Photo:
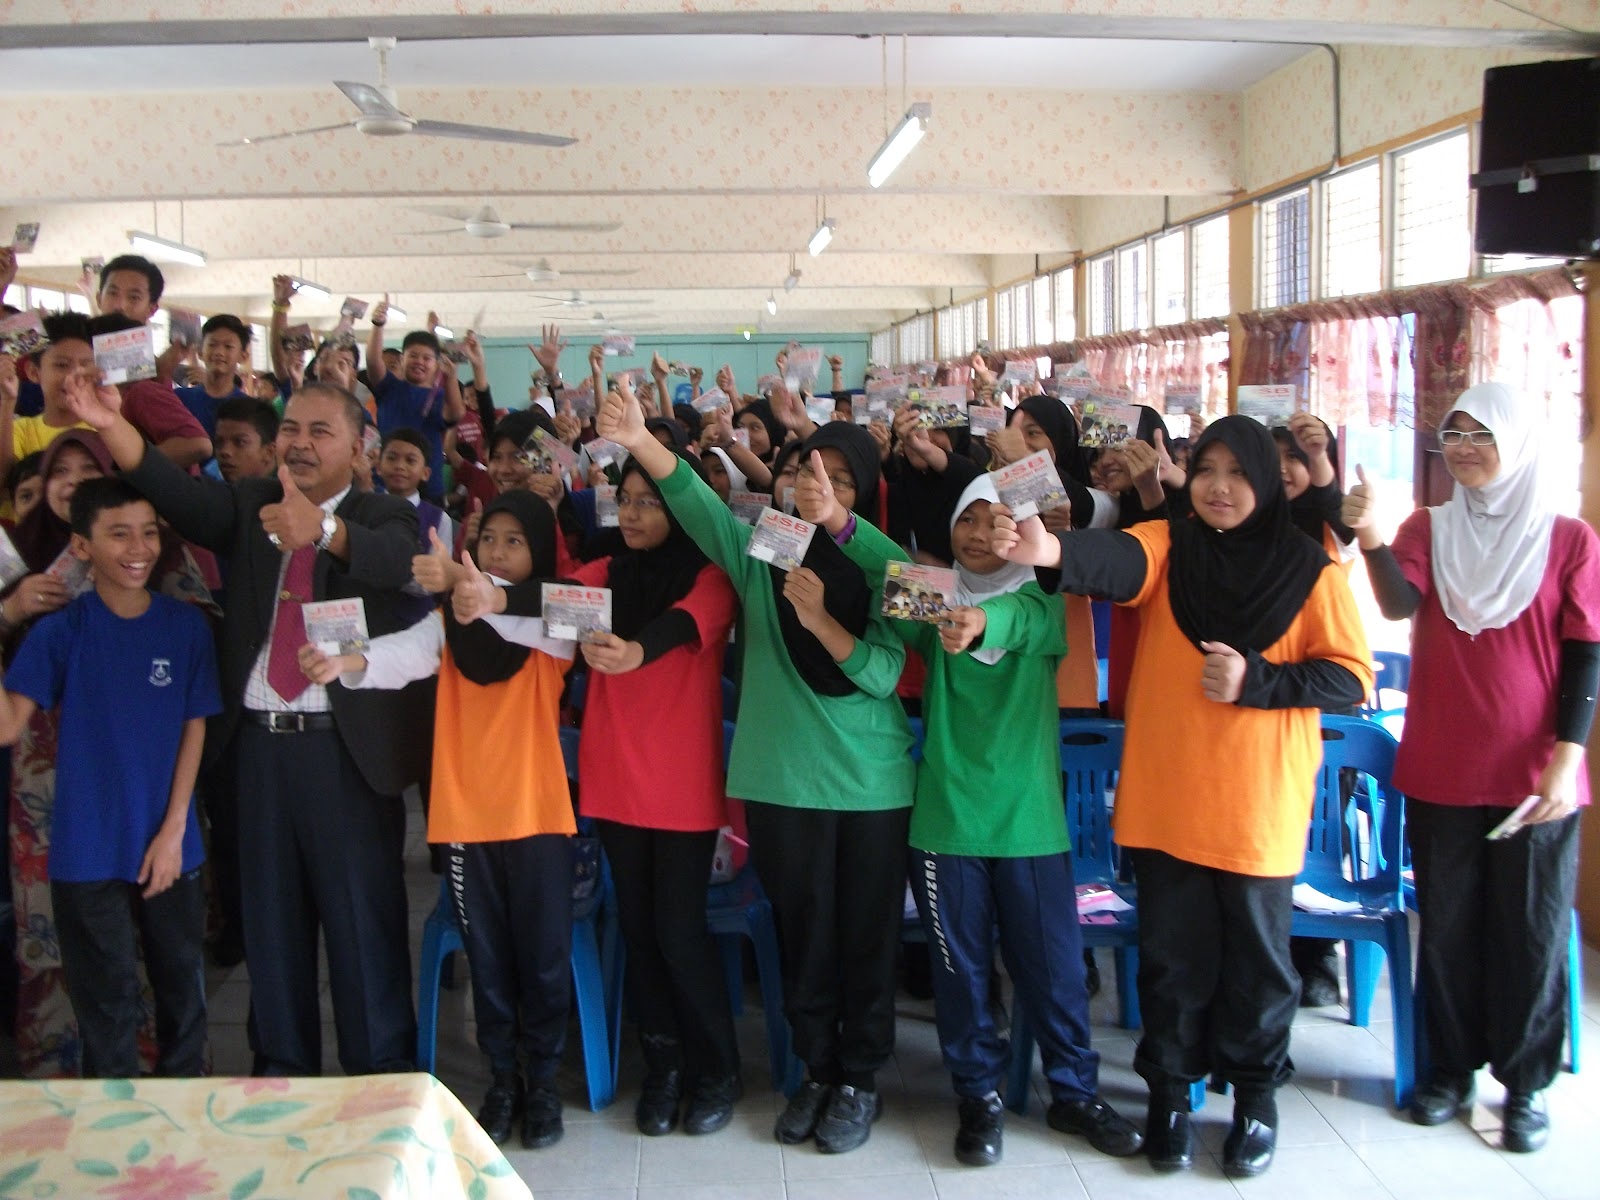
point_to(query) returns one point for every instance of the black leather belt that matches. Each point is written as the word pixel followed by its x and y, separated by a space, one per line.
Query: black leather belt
pixel 290 722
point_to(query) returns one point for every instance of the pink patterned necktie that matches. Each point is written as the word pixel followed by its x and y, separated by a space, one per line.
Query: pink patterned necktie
pixel 289 628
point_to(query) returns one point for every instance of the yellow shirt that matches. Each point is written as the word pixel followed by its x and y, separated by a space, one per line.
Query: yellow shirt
pixel 30 435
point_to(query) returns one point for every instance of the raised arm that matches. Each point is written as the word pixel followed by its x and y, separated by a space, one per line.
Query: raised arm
pixel 1090 562
pixel 1398 598
pixel 282 294
pixel 377 371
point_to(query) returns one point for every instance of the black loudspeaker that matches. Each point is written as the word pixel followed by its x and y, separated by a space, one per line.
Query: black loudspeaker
pixel 1538 177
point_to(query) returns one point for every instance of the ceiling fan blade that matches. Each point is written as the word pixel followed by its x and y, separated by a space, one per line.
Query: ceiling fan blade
pixel 429 232
pixel 573 226
pixel 369 100
pixel 277 137
pixel 611 271
pixel 518 275
pixel 487 133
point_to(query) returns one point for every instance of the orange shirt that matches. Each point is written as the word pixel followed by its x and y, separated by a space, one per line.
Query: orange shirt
pixel 1218 784
pixel 497 768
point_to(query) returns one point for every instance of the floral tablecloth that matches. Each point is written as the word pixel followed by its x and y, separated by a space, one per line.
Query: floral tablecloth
pixel 366 1138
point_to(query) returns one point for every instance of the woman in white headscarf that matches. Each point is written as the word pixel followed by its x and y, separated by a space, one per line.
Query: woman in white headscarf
pixel 1505 595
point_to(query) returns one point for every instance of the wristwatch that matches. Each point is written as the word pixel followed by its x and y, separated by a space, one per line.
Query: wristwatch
pixel 330 526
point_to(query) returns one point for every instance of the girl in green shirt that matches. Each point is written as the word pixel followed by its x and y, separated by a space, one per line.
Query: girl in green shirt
pixel 821 757
pixel 988 837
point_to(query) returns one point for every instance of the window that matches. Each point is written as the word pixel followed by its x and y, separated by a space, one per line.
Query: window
pixel 16 296
pixel 1002 320
pixel 1170 291
pixel 960 327
pixel 1102 296
pixel 1133 287
pixel 1286 249
pixel 47 300
pixel 1021 315
pixel 1044 330
pixel 1208 257
pixel 914 339
pixel 882 349
pixel 1432 236
pixel 1352 248
pixel 1066 305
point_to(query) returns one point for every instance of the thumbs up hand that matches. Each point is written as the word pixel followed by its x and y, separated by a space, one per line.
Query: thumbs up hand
pixel 435 572
pixel 814 499
pixel 1222 678
pixel 295 521
pixel 474 595
pixel 1360 511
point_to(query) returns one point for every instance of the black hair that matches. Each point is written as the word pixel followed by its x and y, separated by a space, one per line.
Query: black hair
pixel 339 344
pixel 64 327
pixel 229 323
pixel 421 337
pixel 135 262
pixel 94 496
pixel 24 469
pixel 250 411
pixel 410 437
pixel 112 322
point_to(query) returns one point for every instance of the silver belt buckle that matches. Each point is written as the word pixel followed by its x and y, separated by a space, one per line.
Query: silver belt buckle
pixel 285 722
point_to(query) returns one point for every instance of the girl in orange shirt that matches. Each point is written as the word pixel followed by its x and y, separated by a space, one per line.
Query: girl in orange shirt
pixel 1247 630
pixel 500 801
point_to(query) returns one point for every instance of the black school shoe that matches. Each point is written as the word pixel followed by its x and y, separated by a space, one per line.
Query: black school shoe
pixel 656 1114
pixel 1168 1139
pixel 847 1121
pixel 1526 1126
pixel 501 1106
pixel 1248 1150
pixel 711 1105
pixel 541 1117
pixel 978 1137
pixel 1442 1098
pixel 798 1121
pixel 1108 1130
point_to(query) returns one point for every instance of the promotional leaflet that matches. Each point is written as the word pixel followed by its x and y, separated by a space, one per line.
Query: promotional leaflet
pixel 72 571
pixel 548 455
pixel 615 345
pixel 297 339
pixel 22 334
pixel 780 539
pixel 939 407
pixel 606 514
pixel 12 568
pixel 709 401
pixel 912 592
pixel 575 613
pixel 183 327
pixel 337 626
pixel 985 419
pixel 126 356
pixel 1030 486
pixel 748 506
pixel 1104 423
pixel 25 237
pixel 801 367
pixel 1270 403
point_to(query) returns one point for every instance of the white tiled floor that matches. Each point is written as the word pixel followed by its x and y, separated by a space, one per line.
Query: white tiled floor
pixel 1340 1138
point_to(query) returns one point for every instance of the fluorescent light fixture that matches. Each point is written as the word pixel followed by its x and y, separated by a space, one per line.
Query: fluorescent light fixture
pixel 396 313
pixel 772 304
pixel 746 333
pixel 899 144
pixel 307 288
pixel 792 282
pixel 824 234
pixel 163 248
pixel 444 333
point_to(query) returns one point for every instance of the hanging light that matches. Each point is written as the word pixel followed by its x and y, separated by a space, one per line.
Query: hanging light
pixel 904 138
pixel 824 234
pixel 772 304
pixel 166 248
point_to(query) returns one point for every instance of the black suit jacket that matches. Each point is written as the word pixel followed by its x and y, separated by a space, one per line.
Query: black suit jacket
pixel 387 733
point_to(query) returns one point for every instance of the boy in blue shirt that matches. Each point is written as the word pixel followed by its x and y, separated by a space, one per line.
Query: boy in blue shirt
pixel 423 395
pixel 135 677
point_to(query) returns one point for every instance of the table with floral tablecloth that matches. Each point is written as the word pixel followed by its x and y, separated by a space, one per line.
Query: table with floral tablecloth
pixel 375 1137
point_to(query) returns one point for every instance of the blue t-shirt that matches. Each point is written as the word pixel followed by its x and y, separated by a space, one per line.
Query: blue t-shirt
pixel 125 687
pixel 203 405
pixel 403 405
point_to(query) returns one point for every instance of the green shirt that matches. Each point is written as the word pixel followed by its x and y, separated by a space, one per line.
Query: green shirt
pixel 990 781
pixel 791 746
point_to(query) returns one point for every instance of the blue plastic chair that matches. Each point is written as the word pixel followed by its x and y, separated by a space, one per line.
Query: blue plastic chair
pixel 1381 926
pixel 1091 754
pixel 740 909
pixel 596 975
pixel 1393 675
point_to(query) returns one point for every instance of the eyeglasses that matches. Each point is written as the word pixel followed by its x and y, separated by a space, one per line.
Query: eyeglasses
pixel 840 483
pixel 642 503
pixel 1454 437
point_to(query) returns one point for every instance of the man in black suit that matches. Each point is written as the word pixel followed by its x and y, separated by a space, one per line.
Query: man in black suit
pixel 321 828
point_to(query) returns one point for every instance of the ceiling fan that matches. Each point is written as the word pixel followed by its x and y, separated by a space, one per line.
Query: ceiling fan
pixel 381 115
pixel 576 300
pixel 543 272
pixel 485 222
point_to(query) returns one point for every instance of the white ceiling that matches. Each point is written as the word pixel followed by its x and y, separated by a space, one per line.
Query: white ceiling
pixel 1068 64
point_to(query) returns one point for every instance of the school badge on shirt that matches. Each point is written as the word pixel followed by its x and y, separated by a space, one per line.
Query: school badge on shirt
pixel 160 671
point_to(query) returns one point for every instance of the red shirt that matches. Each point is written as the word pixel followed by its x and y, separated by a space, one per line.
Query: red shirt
pixel 1481 712
pixel 651 753
pixel 154 409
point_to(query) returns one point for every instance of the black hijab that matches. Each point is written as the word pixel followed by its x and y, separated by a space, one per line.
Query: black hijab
pixel 846 594
pixel 678 434
pixel 481 654
pixel 645 583
pixel 1243 587
pixel 1131 509
pixel 1315 507
pixel 1061 427
pixel 761 410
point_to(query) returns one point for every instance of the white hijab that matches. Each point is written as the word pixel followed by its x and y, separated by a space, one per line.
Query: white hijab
pixel 736 478
pixel 973 588
pixel 1491 544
